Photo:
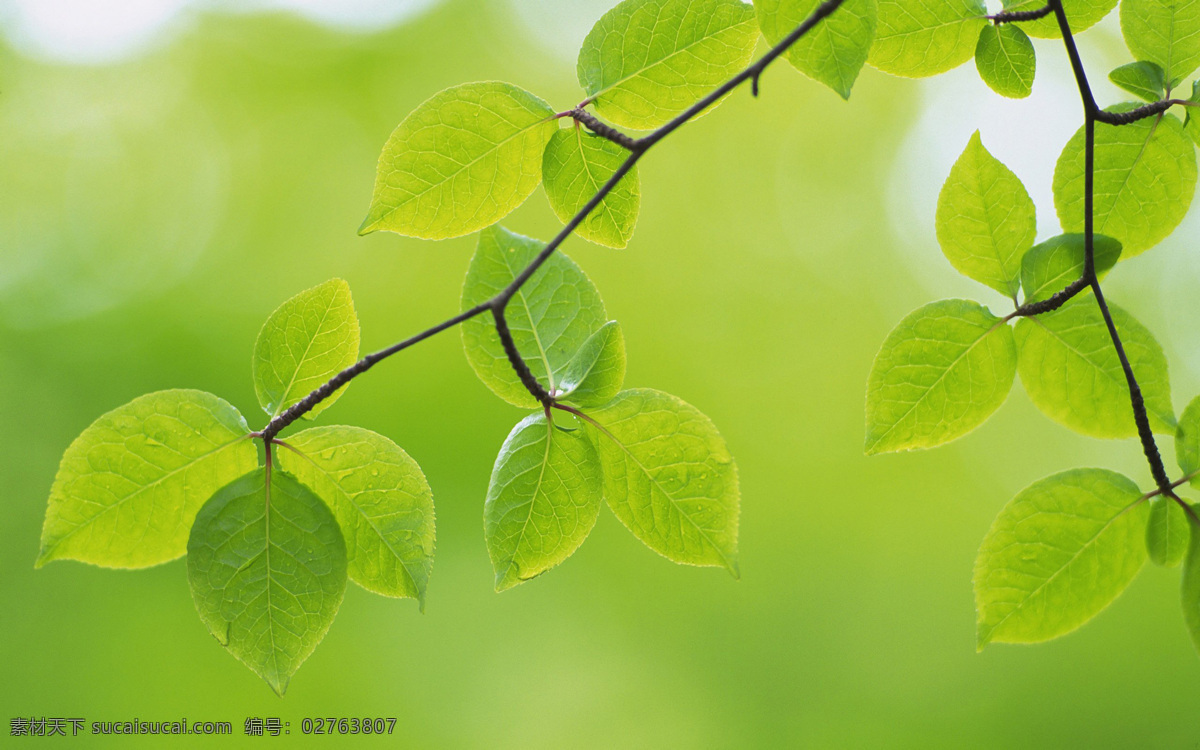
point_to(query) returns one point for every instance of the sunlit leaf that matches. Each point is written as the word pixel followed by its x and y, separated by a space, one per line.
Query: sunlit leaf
pixel 542 501
pixel 304 343
pixel 460 161
pixel 669 477
pixel 128 487
pixel 985 219
pixel 1145 177
pixel 1167 532
pixel 1191 123
pixel 1190 588
pixel 595 374
pixel 917 38
pixel 1050 266
pixel 1072 373
pixel 575 166
pixel 550 318
pixel 1060 552
pixel 835 50
pixel 267 568
pixel 940 373
pixel 1166 32
pixel 646 61
pixel 380 498
pixel 1081 15
pixel 1142 79
pixel 1187 441
pixel 1006 61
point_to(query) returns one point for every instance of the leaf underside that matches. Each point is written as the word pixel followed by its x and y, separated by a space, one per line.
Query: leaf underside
pixel 669 477
pixel 129 486
pixel 267 569
pixel 1060 552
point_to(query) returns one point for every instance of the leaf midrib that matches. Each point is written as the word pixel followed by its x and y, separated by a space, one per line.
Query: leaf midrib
pixel 660 61
pixel 139 490
pixel 533 327
pixel 403 564
pixel 654 482
pixel 934 384
pixel 537 488
pixel 283 397
pixel 1065 565
pixel 461 168
pixel 1111 378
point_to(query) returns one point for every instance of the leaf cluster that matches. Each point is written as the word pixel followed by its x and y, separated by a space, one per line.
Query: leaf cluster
pixel 1068 545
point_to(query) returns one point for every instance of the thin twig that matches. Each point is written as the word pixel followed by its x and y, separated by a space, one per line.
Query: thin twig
pixel 1053 302
pixel 601 128
pixel 497 304
pixel 1091 113
pixel 1140 113
pixel 1009 16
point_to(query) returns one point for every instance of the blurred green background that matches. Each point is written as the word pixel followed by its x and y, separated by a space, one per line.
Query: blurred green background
pixel 154 209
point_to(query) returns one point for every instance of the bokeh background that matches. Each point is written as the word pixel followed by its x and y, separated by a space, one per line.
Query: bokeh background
pixel 170 171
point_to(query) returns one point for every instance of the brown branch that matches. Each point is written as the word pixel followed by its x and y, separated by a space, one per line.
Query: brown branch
pixel 497 304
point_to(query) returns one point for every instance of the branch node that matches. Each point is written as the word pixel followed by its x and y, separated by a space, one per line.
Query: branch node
pixel 1009 16
pixel 603 129
pixel 1133 115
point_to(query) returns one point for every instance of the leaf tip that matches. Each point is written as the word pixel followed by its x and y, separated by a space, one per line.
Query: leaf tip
pixel 874 446
pixel 734 569
pixel 369 224
pixel 278 683
pixel 982 639
pixel 506 578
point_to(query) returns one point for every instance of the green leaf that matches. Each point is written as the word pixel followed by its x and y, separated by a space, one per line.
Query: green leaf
pixel 380 498
pixel 1187 441
pixel 595 374
pixel 1167 532
pixel 305 342
pixel 1145 177
pixel 1005 59
pixel 1060 552
pixel 646 61
pixel 669 477
pixel 1166 32
pixel 1072 373
pixel 1142 79
pixel 940 373
pixel 835 50
pixel 1191 123
pixel 542 501
pixel 460 161
pixel 1050 266
pixel 267 568
pixel 128 487
pixel 918 38
pixel 985 219
pixel 1190 586
pixel 550 317
pixel 575 166
pixel 1081 15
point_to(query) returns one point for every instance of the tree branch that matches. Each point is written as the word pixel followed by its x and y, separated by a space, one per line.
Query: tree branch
pixel 514 357
pixel 601 128
pixel 324 391
pixel 1053 302
pixel 1141 113
pixel 1092 113
pixel 637 147
pixel 1009 16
